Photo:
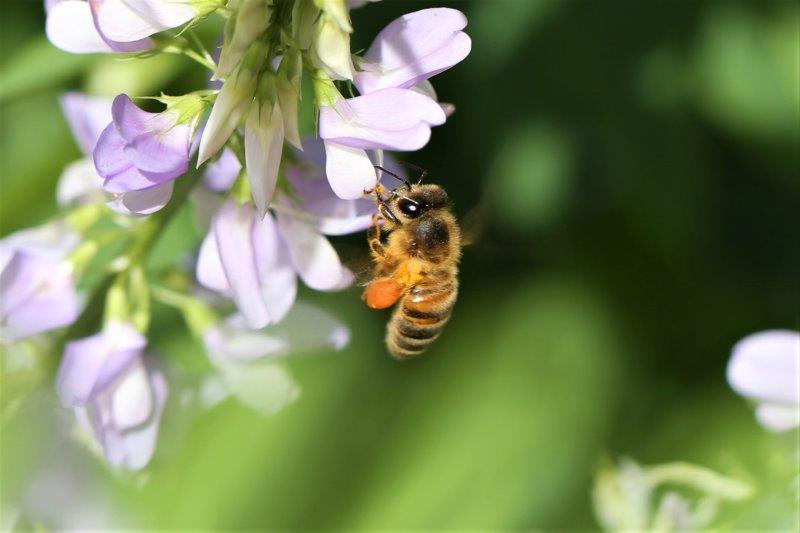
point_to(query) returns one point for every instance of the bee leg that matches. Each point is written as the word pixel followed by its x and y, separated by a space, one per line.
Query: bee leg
pixel 374 239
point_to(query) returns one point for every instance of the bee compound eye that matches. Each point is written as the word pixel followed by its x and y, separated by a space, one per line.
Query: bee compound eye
pixel 409 208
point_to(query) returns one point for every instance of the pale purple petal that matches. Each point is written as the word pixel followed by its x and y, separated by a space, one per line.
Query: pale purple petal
pixel 375 77
pixel 333 215
pixel 414 47
pixel 765 366
pixel 220 175
pixel 210 272
pixel 234 340
pixel 87 117
pixel 778 417
pixel 70 27
pixel 153 142
pixel 314 258
pixel 109 156
pixel 144 201
pixel 79 184
pixel 132 402
pixel 232 229
pixel 349 170
pixel 91 364
pixel 275 269
pixel 37 295
pixel 394 119
pixel 50 241
pixel 117 46
pixel 263 139
pixel 127 21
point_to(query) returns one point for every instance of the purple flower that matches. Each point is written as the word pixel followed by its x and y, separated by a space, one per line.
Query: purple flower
pixel 250 362
pixel 392 119
pixel 413 48
pixel 141 152
pixel 80 26
pixel 331 215
pixel 256 260
pixel 117 395
pixel 765 367
pixel 37 282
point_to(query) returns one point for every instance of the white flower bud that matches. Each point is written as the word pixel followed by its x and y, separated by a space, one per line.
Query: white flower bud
pixel 246 23
pixel 331 49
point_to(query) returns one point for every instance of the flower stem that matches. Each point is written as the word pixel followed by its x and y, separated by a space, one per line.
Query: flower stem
pixel 145 237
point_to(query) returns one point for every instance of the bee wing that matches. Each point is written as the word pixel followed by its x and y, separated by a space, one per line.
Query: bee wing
pixel 357 260
pixel 473 225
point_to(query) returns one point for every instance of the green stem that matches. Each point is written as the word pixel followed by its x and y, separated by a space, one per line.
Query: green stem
pixel 146 236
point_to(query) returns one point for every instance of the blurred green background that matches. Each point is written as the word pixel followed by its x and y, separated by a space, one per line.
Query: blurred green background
pixel 635 172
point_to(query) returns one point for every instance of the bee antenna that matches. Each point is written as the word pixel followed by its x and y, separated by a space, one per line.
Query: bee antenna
pixel 422 172
pixel 392 174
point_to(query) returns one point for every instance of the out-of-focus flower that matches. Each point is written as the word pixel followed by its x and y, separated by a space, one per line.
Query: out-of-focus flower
pixel 765 367
pixel 413 48
pixel 37 281
pixel 624 496
pixel 250 362
pixel 142 152
pixel 117 395
pixel 392 119
pixel 81 26
pixel 220 175
pixel 255 260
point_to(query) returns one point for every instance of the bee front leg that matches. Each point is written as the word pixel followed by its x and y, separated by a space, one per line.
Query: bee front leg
pixel 374 239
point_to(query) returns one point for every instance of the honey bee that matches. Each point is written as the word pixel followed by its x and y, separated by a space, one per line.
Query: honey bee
pixel 416 267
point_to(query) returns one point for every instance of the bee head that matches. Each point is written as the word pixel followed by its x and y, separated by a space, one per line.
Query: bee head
pixel 414 201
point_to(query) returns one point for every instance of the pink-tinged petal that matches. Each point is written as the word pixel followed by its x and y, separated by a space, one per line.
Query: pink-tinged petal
pixel 414 47
pixel 263 140
pixel 87 117
pixel 314 258
pixel 220 175
pixel 375 77
pixel 778 417
pixel 765 366
pixel 232 229
pixel 143 201
pixel 109 156
pixel 79 184
pixel 210 272
pixel 70 27
pixel 91 364
pixel 349 170
pixel 275 269
pixel 126 21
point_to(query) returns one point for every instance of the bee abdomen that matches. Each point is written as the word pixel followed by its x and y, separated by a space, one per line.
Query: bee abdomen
pixel 419 319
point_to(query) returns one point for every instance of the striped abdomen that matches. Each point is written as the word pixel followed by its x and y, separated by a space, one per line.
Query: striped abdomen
pixel 419 318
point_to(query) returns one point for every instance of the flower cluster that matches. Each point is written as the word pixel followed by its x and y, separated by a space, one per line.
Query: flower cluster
pixel 269 210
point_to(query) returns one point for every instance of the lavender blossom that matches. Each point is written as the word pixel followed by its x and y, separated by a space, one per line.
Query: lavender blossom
pixel 141 152
pixel 80 26
pixel 413 48
pixel 117 395
pixel 37 281
pixel 392 119
pixel 765 367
